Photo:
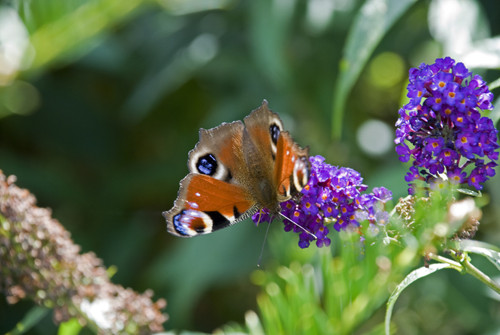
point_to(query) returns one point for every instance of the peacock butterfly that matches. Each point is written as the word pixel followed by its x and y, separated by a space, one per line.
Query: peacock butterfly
pixel 235 170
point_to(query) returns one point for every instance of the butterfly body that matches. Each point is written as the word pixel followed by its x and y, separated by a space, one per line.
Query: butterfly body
pixel 236 169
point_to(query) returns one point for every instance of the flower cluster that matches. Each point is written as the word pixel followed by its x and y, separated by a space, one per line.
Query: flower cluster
pixel 442 129
pixel 39 261
pixel 332 195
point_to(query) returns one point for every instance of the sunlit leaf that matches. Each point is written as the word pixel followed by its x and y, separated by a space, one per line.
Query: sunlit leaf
pixel 14 39
pixel 375 18
pixel 491 252
pixel 68 33
pixel 457 24
pixel 253 323
pixel 70 327
pixel 495 114
pixel 413 276
pixel 483 54
pixel 470 192
pixel 494 84
pixel 191 6
pixel 111 271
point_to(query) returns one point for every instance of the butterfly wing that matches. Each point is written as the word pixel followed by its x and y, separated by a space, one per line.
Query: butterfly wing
pixel 286 162
pixel 263 127
pixel 212 196
pixel 291 169
pixel 206 204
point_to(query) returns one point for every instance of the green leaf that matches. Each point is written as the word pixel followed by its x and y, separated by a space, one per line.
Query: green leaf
pixel 253 323
pixel 491 252
pixel 332 294
pixel 69 30
pixel 375 18
pixel 192 6
pixel 472 193
pixel 495 114
pixel 31 318
pixel 70 327
pixel 413 276
pixel 111 271
pixel 494 84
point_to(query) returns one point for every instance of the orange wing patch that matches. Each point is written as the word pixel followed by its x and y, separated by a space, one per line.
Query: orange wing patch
pixel 284 164
pixel 212 195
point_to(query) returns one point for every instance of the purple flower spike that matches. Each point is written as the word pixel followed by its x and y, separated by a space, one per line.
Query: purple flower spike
pixel 443 125
pixel 333 197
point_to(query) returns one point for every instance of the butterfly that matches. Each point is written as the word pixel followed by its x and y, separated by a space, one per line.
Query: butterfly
pixel 235 170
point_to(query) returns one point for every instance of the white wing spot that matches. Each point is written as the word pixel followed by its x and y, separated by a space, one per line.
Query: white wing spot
pixel 192 205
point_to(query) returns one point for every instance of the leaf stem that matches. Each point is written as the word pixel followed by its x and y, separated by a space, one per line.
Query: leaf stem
pixel 471 269
pixel 464 265
pixel 454 265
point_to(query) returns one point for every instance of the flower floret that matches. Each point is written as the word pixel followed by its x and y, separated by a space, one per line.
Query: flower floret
pixel 333 197
pixel 443 126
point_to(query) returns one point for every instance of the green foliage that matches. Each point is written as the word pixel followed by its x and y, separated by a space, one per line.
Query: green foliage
pixel 64 29
pixel 333 294
pixel 491 252
pixel 31 318
pixel 370 25
pixel 414 275
pixel 70 327
pixel 342 294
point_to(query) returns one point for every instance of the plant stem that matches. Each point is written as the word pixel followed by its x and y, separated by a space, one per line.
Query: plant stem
pixel 464 265
pixel 455 265
pixel 471 269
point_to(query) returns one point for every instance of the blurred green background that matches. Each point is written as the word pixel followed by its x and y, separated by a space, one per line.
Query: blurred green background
pixel 101 100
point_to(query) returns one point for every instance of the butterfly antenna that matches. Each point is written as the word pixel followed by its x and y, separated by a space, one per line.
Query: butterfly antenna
pixel 264 244
pixel 295 223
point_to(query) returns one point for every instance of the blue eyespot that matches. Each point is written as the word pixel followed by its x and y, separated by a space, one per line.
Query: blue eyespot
pixel 207 164
pixel 179 226
pixel 274 130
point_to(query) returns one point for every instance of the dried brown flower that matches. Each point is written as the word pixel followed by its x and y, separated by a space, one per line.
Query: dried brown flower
pixel 39 261
pixel 465 213
pixel 406 210
pixel 463 216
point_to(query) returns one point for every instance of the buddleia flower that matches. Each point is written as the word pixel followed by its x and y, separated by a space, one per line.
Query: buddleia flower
pixel 333 200
pixel 442 129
